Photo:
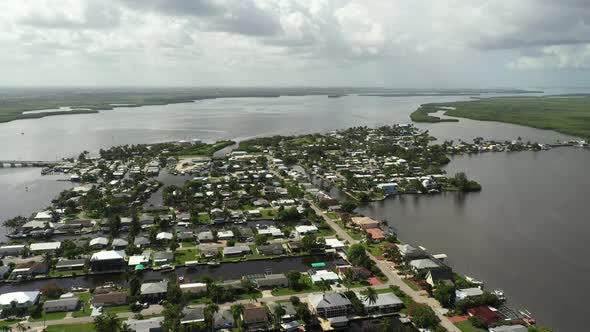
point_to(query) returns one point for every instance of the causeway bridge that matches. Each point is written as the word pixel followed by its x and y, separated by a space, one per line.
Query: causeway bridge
pixel 29 163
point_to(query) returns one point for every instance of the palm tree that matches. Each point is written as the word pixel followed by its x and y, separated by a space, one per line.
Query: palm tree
pixel 324 285
pixel 106 322
pixel 21 327
pixel 211 309
pixel 278 312
pixel 5 328
pixel 48 258
pixel 370 295
pixel 237 310
pixel 126 328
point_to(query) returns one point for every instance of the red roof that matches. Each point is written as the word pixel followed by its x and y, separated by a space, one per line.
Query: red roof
pixel 376 233
pixel 485 313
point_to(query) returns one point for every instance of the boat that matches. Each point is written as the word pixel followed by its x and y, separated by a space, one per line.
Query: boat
pixel 167 268
pixel 500 294
pixel 527 316
pixel 474 281
pixel 213 263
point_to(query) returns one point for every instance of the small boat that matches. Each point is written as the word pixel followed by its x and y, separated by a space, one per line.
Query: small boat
pixel 527 316
pixel 500 294
pixel 213 263
pixel 474 281
pixel 167 268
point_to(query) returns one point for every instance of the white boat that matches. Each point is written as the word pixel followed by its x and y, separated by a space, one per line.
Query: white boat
pixel 500 294
pixel 213 263
pixel 474 281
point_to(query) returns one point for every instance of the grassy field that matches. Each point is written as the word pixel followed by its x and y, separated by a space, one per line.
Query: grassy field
pixel 568 115
pixel 49 316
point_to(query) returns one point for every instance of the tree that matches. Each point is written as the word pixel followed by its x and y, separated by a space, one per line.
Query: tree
pixel 294 279
pixel 172 316
pixel 370 295
pixel 237 310
pixel 52 290
pixel 107 322
pixel 422 315
pixel 261 239
pixel 324 285
pixel 210 311
pixel 348 206
pixel 357 254
pixel 278 312
pixel 445 294
pixel 5 328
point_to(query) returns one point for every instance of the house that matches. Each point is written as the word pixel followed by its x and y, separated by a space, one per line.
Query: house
pixel 255 318
pixel 109 299
pixel 419 265
pixel 246 234
pixel 204 237
pixel 164 236
pixel 223 320
pixel 290 311
pixel 153 324
pixel 386 303
pixel 99 243
pixel 209 252
pixel 19 299
pixel 236 251
pixel 12 250
pixel 410 253
pixel 163 257
pixel 330 305
pixel 295 246
pixel 509 328
pixel 141 242
pixel 70 264
pixel 30 269
pixel 484 313
pixel 365 222
pixel 154 291
pixel 254 213
pixel 357 272
pixel 44 246
pixel 441 275
pixel 462 294
pixel 388 188
pixel 143 259
pixel 119 244
pixel 193 315
pixel 225 235
pixel 376 234
pixel 194 288
pixel 272 280
pixel 271 249
pixel 107 261
pixel 334 243
pixel 319 275
pixel 62 304
pixel 306 229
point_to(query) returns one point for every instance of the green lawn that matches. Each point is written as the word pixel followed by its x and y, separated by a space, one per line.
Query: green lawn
pixel 54 273
pixel 411 284
pixel 332 215
pixel 117 309
pixel 8 322
pixel 306 280
pixel 355 235
pixel 465 326
pixel 85 327
pixel 204 218
pixel 49 316
pixel 182 256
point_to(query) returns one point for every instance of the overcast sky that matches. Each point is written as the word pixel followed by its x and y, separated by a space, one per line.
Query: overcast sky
pixel 397 43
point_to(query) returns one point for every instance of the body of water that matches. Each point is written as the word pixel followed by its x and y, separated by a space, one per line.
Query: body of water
pixel 524 232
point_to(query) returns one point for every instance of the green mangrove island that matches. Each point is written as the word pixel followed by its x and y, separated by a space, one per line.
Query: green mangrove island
pixel 568 114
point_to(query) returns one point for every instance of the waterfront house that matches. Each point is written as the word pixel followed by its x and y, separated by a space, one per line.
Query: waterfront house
pixel 19 300
pixel 255 318
pixel 410 253
pixel 30 269
pixel 12 250
pixel 376 235
pixel 509 328
pixel 462 294
pixel 223 320
pixel 484 313
pixel 107 261
pixel 154 291
pixel 272 280
pixel 254 213
pixel 44 247
pixel 271 249
pixel 295 246
pixel 209 252
pixel 109 299
pixel 441 275
pixel 62 304
pixel 365 222
pixel 163 257
pixel 70 264
pixel 194 288
pixel 306 229
pixel 388 188
pixel 164 236
pixel 236 285
pixel 419 265
pixel 99 243
pixel 386 303
pixel 143 259
pixel 334 243
pixel 330 305
pixel 236 251
pixel 357 272
pixel 193 315
pixel 153 324
pixel 319 275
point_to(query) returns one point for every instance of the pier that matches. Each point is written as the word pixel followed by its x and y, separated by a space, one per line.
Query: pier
pixel 29 163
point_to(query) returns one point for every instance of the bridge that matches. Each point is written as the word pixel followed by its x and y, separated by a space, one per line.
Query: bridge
pixel 29 163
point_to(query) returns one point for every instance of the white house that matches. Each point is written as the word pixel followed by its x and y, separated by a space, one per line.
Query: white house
pixel 19 299
pixel 462 294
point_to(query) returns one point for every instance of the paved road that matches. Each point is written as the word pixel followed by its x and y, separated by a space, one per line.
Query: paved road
pixel 394 278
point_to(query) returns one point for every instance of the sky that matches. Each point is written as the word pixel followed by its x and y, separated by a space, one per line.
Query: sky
pixel 390 43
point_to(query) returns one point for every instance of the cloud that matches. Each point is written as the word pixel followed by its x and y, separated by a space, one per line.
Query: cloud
pixel 555 57
pixel 93 14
